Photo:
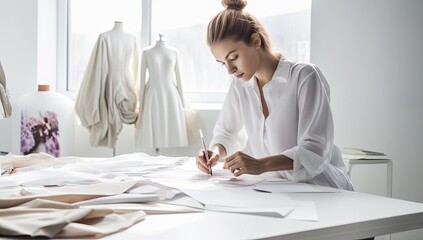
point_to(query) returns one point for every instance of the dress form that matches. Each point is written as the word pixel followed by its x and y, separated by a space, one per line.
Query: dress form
pixel 118 26
pixel 161 121
pixel 107 97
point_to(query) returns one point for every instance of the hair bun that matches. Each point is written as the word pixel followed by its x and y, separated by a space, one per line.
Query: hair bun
pixel 234 4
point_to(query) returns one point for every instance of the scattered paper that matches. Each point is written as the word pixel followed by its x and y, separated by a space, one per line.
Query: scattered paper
pixel 238 181
pixel 235 197
pixel 304 211
pixel 290 187
pixel 120 198
pixel 49 177
pixel 270 212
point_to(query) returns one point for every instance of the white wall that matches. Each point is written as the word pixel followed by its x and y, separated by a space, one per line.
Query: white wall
pixel 371 53
pixel 47 43
pixel 18 55
pixel 28 56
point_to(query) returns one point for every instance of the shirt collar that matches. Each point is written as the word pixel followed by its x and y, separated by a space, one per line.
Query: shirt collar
pixel 280 76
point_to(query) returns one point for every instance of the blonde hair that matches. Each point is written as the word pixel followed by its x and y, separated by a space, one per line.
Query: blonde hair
pixel 236 24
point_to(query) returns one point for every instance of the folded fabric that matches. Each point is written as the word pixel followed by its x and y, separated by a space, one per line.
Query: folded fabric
pixel 45 218
pixel 71 194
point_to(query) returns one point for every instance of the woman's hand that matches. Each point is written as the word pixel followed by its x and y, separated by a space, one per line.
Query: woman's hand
pixel 201 162
pixel 240 163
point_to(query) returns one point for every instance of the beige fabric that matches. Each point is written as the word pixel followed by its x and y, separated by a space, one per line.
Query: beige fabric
pixel 5 105
pixel 70 194
pixel 44 218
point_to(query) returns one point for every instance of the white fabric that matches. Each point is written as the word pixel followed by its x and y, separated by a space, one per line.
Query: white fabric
pixel 299 124
pixel 107 96
pixel 161 123
pixel 5 105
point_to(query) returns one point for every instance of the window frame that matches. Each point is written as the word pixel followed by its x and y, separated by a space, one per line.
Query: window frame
pixel 63 15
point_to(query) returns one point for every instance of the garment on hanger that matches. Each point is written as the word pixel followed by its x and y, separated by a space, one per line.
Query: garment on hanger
pixel 161 121
pixel 5 105
pixel 107 96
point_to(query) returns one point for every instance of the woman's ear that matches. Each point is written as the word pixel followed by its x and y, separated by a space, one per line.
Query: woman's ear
pixel 256 40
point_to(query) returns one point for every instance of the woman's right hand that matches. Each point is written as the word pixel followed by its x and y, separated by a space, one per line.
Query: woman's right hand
pixel 201 162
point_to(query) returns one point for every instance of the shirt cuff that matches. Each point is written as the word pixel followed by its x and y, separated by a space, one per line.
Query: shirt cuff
pixel 229 146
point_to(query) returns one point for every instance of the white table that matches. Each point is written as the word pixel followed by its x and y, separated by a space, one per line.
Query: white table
pixel 344 215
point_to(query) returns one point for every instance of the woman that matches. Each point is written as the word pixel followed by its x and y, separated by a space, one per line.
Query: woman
pixel 282 106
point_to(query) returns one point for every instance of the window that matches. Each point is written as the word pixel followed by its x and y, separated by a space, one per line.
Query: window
pixel 204 80
pixel 87 19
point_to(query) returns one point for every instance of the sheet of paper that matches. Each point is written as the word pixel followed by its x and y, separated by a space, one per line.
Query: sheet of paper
pixel 304 211
pixel 120 198
pixel 50 177
pixel 154 188
pixel 364 157
pixel 106 188
pixel 271 212
pixel 5 183
pixel 238 181
pixel 149 208
pixel 290 187
pixel 210 194
pixel 130 164
pixel 221 177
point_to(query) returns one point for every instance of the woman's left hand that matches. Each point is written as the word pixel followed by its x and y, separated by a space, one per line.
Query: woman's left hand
pixel 240 163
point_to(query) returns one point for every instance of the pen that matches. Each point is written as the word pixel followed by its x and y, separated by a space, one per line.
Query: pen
pixel 205 151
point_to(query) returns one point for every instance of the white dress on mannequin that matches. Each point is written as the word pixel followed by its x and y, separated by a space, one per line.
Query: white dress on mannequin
pixel 107 96
pixel 161 123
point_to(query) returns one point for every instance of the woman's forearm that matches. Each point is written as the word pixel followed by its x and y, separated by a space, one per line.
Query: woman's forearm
pixel 277 163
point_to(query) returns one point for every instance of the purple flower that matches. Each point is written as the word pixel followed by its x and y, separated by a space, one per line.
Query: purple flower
pixel 27 139
pixel 43 130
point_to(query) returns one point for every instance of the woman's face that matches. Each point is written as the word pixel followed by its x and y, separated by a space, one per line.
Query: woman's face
pixel 240 59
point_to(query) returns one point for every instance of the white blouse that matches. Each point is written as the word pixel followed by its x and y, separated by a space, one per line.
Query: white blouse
pixel 299 125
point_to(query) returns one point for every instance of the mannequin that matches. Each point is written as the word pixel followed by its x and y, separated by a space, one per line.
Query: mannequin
pixel 161 121
pixel 5 105
pixel 107 97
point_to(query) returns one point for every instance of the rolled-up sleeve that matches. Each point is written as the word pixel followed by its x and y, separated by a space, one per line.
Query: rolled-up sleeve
pixel 315 128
